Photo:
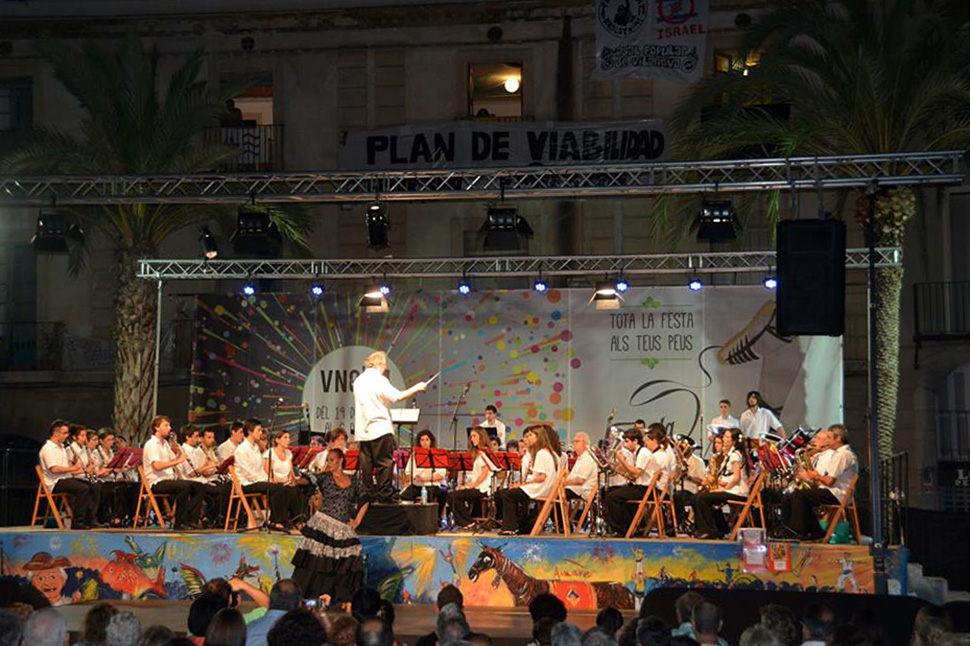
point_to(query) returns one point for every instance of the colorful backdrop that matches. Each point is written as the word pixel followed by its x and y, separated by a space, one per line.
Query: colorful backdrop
pixel 667 355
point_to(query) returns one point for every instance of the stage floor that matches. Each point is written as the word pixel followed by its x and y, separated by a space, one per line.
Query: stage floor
pixel 71 567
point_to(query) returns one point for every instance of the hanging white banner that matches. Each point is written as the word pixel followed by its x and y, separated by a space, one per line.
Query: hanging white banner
pixel 652 39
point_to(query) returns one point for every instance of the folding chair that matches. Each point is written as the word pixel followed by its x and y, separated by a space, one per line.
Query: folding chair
pixel 651 495
pixel 150 501
pixel 555 501
pixel 837 513
pixel 58 504
pixel 253 503
pixel 753 500
pixel 587 508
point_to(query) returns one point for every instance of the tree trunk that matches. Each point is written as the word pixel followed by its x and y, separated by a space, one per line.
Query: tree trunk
pixel 135 370
pixel 894 207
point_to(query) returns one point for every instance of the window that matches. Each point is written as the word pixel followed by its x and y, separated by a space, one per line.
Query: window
pixel 16 105
pixel 255 101
pixel 495 91
pixel 249 124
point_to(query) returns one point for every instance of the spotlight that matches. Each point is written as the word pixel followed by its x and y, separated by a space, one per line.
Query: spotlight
pixel 384 289
pixel 716 222
pixel 52 231
pixel 249 289
pixel 374 300
pixel 540 285
pixel 505 230
pixel 316 290
pixel 511 84
pixel 210 250
pixel 695 284
pixel 606 289
pixel 464 287
pixel 770 282
pixel 256 234
pixel 377 226
pixel 622 285
pixel 606 296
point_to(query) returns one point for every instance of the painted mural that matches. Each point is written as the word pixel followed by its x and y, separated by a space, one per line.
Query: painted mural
pixel 587 574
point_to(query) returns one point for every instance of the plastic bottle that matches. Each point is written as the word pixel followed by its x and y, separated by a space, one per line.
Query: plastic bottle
pixel 424 495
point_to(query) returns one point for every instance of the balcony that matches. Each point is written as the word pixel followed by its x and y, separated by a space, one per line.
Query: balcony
pixel 31 346
pixel 260 147
pixel 941 312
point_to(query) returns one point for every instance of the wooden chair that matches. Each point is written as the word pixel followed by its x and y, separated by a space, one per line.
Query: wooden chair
pixel 554 502
pixel 58 504
pixel 752 501
pixel 653 497
pixel 253 503
pixel 149 500
pixel 837 513
pixel 586 510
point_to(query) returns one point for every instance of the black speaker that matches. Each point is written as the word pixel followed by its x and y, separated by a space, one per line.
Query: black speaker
pixel 811 277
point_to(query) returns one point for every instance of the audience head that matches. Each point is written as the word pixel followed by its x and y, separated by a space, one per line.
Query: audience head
pixel 759 635
pixel 954 639
pixel 156 635
pixel 451 625
pixel 652 631
pixel 96 621
pixel 547 605
pixel 818 622
pixel 220 587
pixel 566 634
pixel 706 619
pixel 297 627
pixel 869 626
pixel 609 620
pixel 931 622
pixel 343 631
pixel 285 595
pixel 46 627
pixel 628 634
pixel 782 622
pixel 203 610
pixel 123 629
pixel 450 594
pixel 542 631
pixel 366 603
pixel 599 637
pixel 374 631
pixel 11 628
pixel 682 640
pixel 479 639
pixel 226 629
pixel 684 606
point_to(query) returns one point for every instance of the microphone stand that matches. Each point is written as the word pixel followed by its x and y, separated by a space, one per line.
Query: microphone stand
pixel 454 416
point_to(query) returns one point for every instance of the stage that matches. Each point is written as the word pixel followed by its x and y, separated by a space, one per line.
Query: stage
pixel 83 566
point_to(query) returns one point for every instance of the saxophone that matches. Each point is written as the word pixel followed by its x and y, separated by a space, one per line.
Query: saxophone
pixel 714 464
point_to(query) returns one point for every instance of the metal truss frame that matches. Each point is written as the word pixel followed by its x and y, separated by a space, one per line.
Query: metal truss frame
pixel 370 268
pixel 533 182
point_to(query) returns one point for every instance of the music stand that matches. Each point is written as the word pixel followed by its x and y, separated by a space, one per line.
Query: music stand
pixel 434 458
pixel 404 417
pixel 121 459
pixel 303 456
pixel 224 467
pixel 350 460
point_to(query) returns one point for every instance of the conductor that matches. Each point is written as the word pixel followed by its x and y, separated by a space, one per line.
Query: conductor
pixel 373 396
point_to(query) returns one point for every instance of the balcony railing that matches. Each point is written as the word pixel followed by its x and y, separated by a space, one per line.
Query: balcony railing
pixel 260 147
pixel 941 312
pixel 31 346
pixel 953 435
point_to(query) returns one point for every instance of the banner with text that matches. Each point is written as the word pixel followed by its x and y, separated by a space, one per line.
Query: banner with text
pixel 516 143
pixel 667 355
pixel 653 39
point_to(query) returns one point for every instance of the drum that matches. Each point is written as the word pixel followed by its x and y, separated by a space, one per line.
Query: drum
pixel 798 440
pixel 772 438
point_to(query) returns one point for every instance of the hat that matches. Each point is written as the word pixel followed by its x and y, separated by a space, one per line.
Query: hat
pixel 44 561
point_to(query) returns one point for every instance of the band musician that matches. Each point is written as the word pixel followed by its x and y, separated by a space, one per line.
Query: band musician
pixel 477 484
pixel 581 481
pixel 512 504
pixel 650 459
pixel 199 467
pixel 828 483
pixel 692 471
pixel 415 478
pixel 284 502
pixel 729 483
pixel 159 462
pixel 61 475
pixel 758 420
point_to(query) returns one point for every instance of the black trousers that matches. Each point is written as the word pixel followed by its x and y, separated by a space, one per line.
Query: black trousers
pixel 435 494
pixel 798 511
pixel 116 499
pixel 377 455
pixel 461 501
pixel 683 498
pixel 83 497
pixel 708 519
pixel 514 505
pixel 216 499
pixel 284 502
pixel 188 496
pixel 619 513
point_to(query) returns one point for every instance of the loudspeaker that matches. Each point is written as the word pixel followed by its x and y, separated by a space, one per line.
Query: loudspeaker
pixel 811 277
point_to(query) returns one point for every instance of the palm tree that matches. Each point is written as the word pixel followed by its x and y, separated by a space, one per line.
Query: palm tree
pixel 860 76
pixel 131 129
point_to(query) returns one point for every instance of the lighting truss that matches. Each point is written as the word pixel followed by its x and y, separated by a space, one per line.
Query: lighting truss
pixel 627 265
pixel 797 173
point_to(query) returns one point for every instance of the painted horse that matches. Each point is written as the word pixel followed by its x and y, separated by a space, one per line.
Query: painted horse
pixel 524 588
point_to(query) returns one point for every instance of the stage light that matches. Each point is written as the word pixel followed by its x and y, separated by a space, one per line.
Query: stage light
pixel 256 234
pixel 210 249
pixel 606 296
pixel 464 287
pixel 374 300
pixel 249 289
pixel 377 226
pixel 622 285
pixel 316 290
pixel 512 84
pixel 695 284
pixel 540 285
pixel 384 289
pixel 716 222
pixel 51 234
pixel 505 230
pixel 770 282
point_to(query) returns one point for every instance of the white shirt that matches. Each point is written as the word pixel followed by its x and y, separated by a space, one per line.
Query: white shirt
pixel 282 468
pixel 53 455
pixel 762 420
pixel 586 469
pixel 478 467
pixel 695 469
pixel 421 476
pixel 727 472
pixel 157 450
pixel 499 427
pixel 225 449
pixel 373 396
pixel 545 463
pixel 189 469
pixel 524 465
pixel 840 463
pixel 658 460
pixel 724 422
pixel 249 464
